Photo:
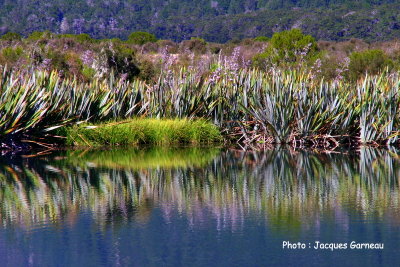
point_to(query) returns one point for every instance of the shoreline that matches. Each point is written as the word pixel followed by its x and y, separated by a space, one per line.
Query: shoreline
pixel 36 149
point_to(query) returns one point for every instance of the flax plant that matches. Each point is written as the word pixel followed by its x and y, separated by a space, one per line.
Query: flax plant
pixel 248 105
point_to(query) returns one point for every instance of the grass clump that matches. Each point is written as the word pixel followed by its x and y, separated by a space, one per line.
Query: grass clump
pixel 144 131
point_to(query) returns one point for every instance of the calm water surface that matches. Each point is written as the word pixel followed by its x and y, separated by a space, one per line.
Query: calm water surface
pixel 198 207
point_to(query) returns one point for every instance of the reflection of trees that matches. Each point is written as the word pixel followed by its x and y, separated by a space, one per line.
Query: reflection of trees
pixel 291 189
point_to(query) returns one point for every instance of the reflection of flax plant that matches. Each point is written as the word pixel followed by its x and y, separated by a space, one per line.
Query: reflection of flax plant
pixel 288 188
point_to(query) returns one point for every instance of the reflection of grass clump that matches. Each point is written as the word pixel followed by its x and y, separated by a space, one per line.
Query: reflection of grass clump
pixel 144 131
pixel 131 158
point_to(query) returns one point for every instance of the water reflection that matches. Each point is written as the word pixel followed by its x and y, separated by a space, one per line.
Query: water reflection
pixel 291 191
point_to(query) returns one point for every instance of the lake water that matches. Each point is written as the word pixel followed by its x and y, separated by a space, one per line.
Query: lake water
pixel 199 207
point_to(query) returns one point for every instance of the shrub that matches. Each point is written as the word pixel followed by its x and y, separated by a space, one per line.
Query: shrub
pixel 84 38
pixel 288 48
pixel 141 38
pixel 11 55
pixel 168 45
pixel 80 38
pixel 150 48
pixel 148 71
pixel 88 73
pixel 120 59
pixel 195 45
pixel 368 61
pixel 75 64
pixel 11 36
pixel 36 35
pixel 58 60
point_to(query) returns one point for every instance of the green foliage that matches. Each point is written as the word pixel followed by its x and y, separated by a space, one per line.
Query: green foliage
pixel 261 39
pixel 11 55
pixel 214 67
pixel 288 48
pixel 58 59
pixel 141 38
pixel 368 61
pixel 11 36
pixel 198 39
pixel 88 73
pixel 114 40
pixel 80 38
pixel 37 35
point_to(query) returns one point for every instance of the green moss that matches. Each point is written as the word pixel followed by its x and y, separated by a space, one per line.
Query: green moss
pixel 144 131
